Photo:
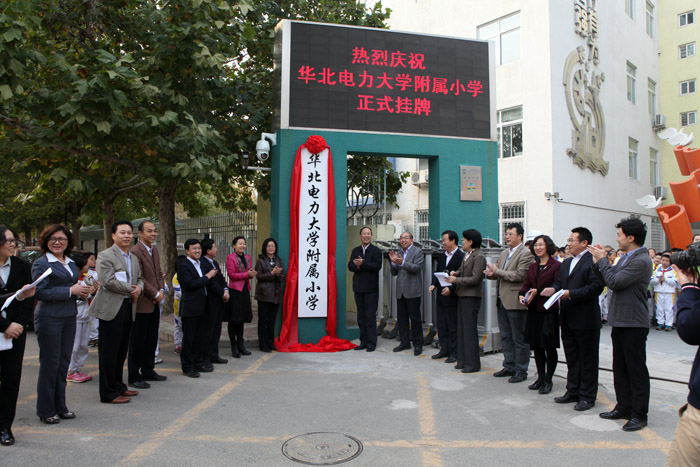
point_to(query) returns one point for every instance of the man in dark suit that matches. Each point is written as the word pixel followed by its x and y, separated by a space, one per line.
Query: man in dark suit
pixel 193 304
pixel 365 262
pixel 217 295
pixel 408 269
pixel 144 332
pixel 446 311
pixel 511 271
pixel 629 318
pixel 580 321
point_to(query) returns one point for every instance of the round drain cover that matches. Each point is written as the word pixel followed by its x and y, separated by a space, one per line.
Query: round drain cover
pixel 322 448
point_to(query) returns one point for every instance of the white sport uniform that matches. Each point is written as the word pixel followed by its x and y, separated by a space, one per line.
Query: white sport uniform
pixel 665 295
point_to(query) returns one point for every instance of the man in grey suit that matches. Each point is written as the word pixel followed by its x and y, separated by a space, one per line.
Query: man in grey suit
pixel 511 271
pixel 115 305
pixel 408 269
pixel 628 316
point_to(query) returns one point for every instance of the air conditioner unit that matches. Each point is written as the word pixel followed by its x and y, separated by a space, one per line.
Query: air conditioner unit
pixel 660 192
pixel 659 121
pixel 419 177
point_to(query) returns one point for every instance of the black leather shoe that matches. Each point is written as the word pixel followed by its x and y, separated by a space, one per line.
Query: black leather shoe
pixel 519 377
pixel 634 424
pixel 470 370
pixel 50 420
pixel 139 384
pixel 361 347
pixel 67 415
pixel 536 385
pixel 459 366
pixel 417 351
pixel 218 359
pixel 546 388
pixel 503 372
pixel 615 414
pixel 6 438
pixel 401 347
pixel 566 398
pixel 371 348
pixel 439 355
pixel 191 374
pixel 262 349
pixel 584 405
pixel 234 350
pixel 242 349
pixel 155 377
pixel 450 360
pixel 204 369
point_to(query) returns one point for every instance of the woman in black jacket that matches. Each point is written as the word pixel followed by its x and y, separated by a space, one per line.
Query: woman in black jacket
pixel 269 292
pixel 14 274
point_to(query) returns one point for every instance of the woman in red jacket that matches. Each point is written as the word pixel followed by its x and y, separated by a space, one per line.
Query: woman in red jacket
pixel 239 268
pixel 542 326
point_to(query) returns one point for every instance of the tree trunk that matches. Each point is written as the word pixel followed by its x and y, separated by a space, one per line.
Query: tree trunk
pixel 75 225
pixel 168 236
pixel 108 220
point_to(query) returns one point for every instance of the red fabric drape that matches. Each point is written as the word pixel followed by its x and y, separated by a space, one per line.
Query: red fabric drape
pixel 288 341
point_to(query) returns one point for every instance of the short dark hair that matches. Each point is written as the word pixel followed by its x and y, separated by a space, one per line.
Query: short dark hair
pixel 363 228
pixel 191 241
pixel 52 229
pixel 634 227
pixel 144 223
pixel 121 222
pixel 178 260
pixel 474 236
pixel 518 228
pixel 268 240
pixel 583 234
pixel 3 231
pixel 561 249
pixel 548 243
pixel 666 256
pixel 239 237
pixel 88 255
pixel 207 244
pixel 79 260
pixel 451 234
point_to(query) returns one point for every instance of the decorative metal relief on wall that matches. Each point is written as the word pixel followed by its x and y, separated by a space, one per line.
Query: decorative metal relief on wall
pixel 582 88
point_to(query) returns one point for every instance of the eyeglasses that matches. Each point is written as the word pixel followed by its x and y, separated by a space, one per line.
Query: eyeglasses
pixel 58 240
pixel 11 241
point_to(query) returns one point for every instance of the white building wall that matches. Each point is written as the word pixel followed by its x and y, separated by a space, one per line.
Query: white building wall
pixel 535 82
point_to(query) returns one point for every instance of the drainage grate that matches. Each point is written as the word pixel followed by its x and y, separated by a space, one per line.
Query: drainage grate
pixel 322 448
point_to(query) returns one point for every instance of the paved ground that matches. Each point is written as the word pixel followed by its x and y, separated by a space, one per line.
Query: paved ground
pixel 405 410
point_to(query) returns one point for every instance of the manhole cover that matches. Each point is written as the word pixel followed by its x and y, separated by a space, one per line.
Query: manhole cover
pixel 322 448
pixel 687 362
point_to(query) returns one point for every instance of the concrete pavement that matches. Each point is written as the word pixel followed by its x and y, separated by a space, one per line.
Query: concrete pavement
pixel 404 410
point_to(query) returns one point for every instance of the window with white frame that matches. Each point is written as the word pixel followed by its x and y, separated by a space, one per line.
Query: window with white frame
pixel 421 221
pixel 632 155
pixel 686 18
pixel 650 19
pixel 688 87
pixel 629 8
pixel 510 132
pixel 422 164
pixel 689 118
pixel 653 167
pixel 631 83
pixel 505 33
pixel 686 50
pixel 651 96
pixel 509 213
pixel 658 240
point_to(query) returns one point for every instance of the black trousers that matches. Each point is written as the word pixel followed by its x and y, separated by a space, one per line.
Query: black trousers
pixel 447 328
pixel 10 375
pixel 367 317
pixel 55 337
pixel 267 315
pixel 142 345
pixel 409 309
pixel 630 373
pixel 207 328
pixel 468 353
pixel 195 338
pixel 215 331
pixel 113 345
pixel 581 347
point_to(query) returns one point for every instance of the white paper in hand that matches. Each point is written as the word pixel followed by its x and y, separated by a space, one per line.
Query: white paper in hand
pixel 441 276
pixel 553 299
pixel 121 276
